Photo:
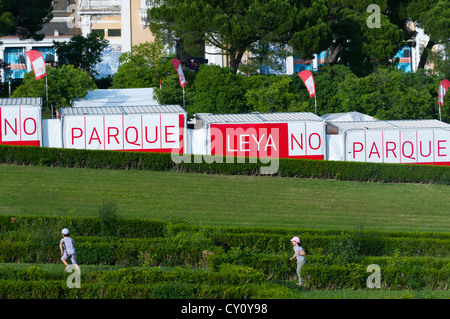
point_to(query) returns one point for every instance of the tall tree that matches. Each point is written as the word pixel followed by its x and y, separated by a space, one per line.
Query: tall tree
pixel 65 84
pixel 232 26
pixel 143 66
pixel 81 52
pixel 434 17
pixel 24 18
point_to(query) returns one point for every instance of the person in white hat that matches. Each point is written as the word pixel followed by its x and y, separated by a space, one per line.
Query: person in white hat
pixel 299 253
pixel 69 249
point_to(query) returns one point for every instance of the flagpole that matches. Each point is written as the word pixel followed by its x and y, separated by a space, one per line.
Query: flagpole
pixel 183 99
pixel 46 92
pixel 315 103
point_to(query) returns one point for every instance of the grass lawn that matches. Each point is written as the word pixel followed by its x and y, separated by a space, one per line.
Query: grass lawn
pixel 225 200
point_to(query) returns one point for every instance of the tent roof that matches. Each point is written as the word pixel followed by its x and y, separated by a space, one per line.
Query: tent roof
pixel 19 101
pixel 395 124
pixel 347 116
pixel 117 97
pixel 208 118
pixel 122 110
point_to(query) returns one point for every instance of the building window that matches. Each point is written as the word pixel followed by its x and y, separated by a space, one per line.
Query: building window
pixel 114 33
pixel 99 32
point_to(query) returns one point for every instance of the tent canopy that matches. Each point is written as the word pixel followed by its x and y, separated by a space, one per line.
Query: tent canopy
pixel 117 97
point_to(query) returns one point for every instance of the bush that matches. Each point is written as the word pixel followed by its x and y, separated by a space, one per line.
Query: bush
pixel 353 171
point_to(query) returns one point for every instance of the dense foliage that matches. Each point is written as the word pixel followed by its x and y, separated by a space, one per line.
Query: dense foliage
pixel 211 262
pixel 65 84
pixel 387 93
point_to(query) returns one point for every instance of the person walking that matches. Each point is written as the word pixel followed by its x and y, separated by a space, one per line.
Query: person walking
pixel 66 245
pixel 299 254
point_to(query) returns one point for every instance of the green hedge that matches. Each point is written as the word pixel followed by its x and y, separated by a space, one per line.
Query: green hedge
pixel 230 281
pixel 354 171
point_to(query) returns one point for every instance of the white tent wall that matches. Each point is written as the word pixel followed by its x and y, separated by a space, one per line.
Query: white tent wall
pixel 196 141
pixel 335 149
pixel 52 133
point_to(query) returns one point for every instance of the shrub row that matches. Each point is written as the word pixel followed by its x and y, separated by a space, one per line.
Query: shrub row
pixel 37 238
pixel 230 281
pixel 82 226
pixel 354 171
pixel 367 244
pixel 165 290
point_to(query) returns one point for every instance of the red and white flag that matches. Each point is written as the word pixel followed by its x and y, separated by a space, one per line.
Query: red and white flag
pixel 38 63
pixel 443 88
pixel 177 65
pixel 308 79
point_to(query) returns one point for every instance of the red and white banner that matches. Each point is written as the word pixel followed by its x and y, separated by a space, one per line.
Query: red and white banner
pixel 136 132
pixel 280 140
pixel 20 125
pixel 427 146
pixel 308 79
pixel 443 88
pixel 179 68
pixel 38 63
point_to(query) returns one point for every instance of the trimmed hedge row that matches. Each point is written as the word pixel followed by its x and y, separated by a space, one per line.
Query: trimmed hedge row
pixel 36 239
pixel 369 244
pixel 229 281
pixel 353 171
pixel 82 226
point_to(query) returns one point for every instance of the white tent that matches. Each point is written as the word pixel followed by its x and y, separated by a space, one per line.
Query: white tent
pixel 347 116
pixel 117 97
pixel 396 141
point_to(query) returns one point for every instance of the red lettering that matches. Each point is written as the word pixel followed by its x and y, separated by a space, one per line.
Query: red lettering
pixel 390 149
pixel 25 127
pixel 309 140
pixel 412 150
pixel 76 136
pixel 113 135
pixel 299 144
pixel 374 146
pixel 429 149
pixel 94 138
pixel 167 133
pixel 156 135
pixel 136 134
pixel 355 150
pixel 441 147
pixel 12 129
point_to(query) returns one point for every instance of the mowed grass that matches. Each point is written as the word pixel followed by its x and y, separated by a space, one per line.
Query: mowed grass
pixel 225 200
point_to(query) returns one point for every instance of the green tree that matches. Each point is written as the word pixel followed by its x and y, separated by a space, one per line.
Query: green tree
pixel 81 52
pixel 358 44
pixel 434 17
pixel 217 90
pixel 24 18
pixel 143 66
pixel 233 26
pixel 389 94
pixel 275 97
pixel 65 84
pixel 327 81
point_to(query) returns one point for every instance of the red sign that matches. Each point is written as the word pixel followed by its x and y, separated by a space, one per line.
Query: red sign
pixel 20 126
pixel 281 140
pixel 38 63
pixel 177 65
pixel 308 79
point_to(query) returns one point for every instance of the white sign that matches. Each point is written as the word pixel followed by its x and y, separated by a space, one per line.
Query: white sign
pixel 20 125
pixel 424 146
pixel 146 132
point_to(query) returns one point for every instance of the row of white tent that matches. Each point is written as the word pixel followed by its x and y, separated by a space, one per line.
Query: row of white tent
pixel 122 120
